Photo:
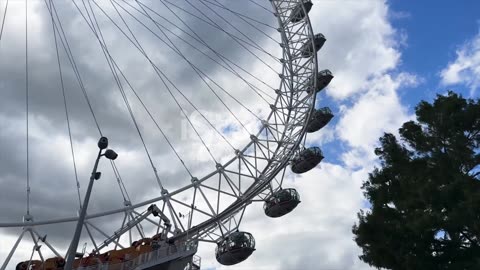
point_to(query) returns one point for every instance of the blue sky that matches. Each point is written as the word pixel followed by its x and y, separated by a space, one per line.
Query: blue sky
pixel 435 30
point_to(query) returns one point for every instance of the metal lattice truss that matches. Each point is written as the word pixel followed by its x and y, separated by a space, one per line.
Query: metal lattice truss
pixel 215 204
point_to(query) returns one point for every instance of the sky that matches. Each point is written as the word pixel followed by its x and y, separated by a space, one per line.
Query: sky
pixel 386 57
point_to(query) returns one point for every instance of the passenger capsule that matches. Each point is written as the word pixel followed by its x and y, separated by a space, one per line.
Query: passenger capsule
pixel 235 248
pixel 281 202
pixel 319 119
pixel 324 78
pixel 298 12
pixel 308 49
pixel 306 160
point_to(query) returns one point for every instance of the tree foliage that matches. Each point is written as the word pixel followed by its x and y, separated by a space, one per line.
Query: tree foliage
pixel 425 197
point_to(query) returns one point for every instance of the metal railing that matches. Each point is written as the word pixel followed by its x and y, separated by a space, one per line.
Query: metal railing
pixel 143 258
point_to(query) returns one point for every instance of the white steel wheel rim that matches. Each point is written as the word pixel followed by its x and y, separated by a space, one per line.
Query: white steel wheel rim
pixel 292 103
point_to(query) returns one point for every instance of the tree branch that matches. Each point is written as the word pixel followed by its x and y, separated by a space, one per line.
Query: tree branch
pixel 469 239
pixel 475 174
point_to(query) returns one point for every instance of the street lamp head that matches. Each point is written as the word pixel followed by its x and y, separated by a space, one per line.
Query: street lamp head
pixel 110 154
pixel 103 143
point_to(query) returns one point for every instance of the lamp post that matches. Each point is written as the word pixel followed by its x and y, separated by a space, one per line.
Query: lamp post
pixel 110 154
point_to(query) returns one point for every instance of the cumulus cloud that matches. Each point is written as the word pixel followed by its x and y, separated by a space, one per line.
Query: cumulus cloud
pixel 367 49
pixel 377 111
pixel 465 69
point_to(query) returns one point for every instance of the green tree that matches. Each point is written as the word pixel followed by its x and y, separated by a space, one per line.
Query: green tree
pixel 425 197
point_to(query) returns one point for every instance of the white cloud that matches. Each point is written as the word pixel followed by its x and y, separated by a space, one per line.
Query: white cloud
pixel 377 111
pixel 465 69
pixel 361 43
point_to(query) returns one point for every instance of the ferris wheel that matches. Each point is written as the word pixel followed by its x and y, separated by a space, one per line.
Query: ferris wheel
pixel 217 96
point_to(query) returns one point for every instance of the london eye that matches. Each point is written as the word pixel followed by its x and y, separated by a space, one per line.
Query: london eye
pixel 188 111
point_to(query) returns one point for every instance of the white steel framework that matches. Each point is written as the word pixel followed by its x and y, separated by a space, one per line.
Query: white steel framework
pixel 253 174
